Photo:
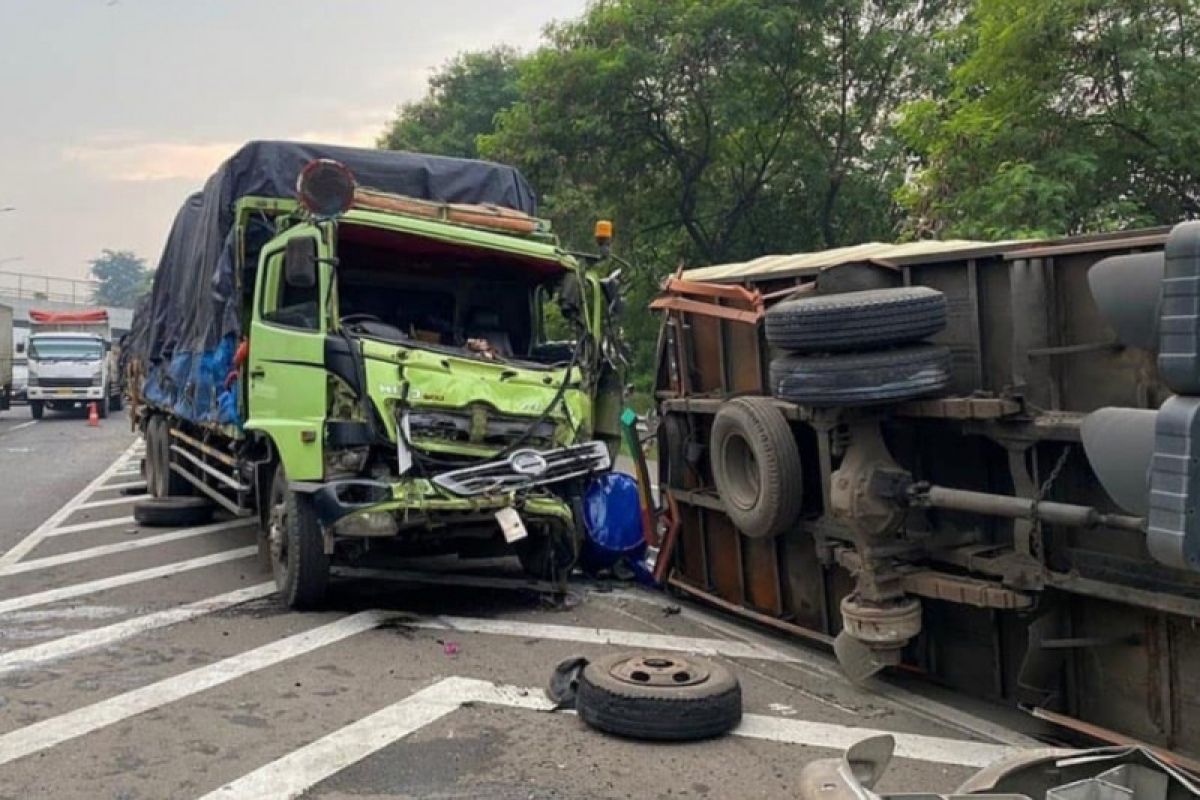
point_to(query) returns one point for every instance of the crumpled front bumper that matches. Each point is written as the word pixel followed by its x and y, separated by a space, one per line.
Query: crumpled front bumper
pixel 492 485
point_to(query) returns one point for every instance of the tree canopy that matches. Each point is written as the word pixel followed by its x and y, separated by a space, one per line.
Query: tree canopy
pixel 722 130
pixel 121 278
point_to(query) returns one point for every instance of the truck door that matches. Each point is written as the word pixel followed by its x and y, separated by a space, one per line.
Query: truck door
pixel 287 379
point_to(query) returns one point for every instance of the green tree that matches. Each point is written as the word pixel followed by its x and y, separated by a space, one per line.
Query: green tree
pixel 719 130
pixel 464 96
pixel 1061 116
pixel 121 278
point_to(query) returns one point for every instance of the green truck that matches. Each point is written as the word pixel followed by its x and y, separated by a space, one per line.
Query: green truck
pixel 356 347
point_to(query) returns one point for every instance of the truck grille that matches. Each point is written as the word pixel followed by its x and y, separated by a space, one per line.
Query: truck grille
pixel 64 383
pixel 524 469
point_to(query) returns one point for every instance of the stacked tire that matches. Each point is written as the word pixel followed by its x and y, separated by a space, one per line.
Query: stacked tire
pixel 858 348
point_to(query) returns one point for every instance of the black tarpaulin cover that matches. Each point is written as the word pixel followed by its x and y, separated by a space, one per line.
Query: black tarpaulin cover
pixel 187 329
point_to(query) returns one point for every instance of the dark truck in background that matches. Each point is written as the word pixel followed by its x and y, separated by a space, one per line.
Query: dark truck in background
pixel 976 460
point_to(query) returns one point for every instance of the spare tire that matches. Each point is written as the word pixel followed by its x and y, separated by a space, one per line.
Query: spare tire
pixel 856 320
pixel 658 696
pixel 174 512
pixel 884 376
pixel 756 466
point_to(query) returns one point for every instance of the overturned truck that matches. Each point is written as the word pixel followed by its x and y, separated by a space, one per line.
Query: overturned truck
pixel 974 460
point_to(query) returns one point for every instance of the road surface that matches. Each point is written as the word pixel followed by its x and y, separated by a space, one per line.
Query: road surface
pixel 150 663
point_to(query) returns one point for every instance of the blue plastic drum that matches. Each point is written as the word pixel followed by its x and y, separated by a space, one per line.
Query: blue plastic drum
pixel 612 517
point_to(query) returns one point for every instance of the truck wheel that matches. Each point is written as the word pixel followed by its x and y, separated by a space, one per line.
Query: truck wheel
pixel 172 512
pixel 884 376
pixel 114 403
pixel 856 320
pixel 659 696
pixel 298 558
pixel 102 407
pixel 36 409
pixel 756 466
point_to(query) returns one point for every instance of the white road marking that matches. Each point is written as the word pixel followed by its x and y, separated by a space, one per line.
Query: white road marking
pixel 80 589
pixel 570 633
pixel 120 547
pixel 916 746
pixel 56 730
pixel 301 769
pixel 39 655
pixel 23 425
pixel 298 771
pixel 18 551
pixel 111 501
pixel 91 526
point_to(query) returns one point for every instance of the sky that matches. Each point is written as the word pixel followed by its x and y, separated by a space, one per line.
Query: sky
pixel 113 111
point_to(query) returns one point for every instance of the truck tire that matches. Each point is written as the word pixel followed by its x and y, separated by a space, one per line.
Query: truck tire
pixel 856 320
pixel 114 402
pixel 883 376
pixel 756 466
pixel 298 559
pixel 658 696
pixel 102 406
pixel 172 512
pixel 36 409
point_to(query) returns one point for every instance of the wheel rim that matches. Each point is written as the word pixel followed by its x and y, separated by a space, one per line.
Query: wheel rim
pixel 659 671
pixel 741 468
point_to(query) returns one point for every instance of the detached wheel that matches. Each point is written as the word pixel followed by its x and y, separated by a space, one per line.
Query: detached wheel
pixel 884 376
pixel 856 320
pixel 658 696
pixel 756 466
pixel 173 512
pixel 298 559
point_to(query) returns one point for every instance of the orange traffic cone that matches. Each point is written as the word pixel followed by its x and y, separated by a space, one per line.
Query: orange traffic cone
pixel 93 416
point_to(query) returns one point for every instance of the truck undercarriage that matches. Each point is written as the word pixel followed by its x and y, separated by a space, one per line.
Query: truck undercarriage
pixel 963 531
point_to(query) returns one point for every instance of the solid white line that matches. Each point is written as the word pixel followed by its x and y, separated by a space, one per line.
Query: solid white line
pixel 80 589
pixel 22 425
pixel 293 774
pixel 91 526
pixel 936 749
pixel 128 485
pixel 298 771
pixel 56 730
pixel 112 501
pixel 120 547
pixel 570 633
pixel 18 551
pixel 41 654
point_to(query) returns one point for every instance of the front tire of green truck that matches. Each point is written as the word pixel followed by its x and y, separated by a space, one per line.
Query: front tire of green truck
pixel 298 559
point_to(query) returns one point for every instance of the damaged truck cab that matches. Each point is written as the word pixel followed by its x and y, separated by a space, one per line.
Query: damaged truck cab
pixel 393 388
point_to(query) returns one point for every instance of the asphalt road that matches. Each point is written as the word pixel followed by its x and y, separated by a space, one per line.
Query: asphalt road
pixel 143 663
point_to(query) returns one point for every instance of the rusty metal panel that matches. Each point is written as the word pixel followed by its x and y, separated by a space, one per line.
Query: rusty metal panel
pixel 704 352
pixel 761 566
pixel 724 556
pixel 689 553
pixel 744 359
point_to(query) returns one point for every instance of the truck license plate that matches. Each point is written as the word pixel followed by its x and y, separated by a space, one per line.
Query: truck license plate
pixel 512 525
pixel 63 392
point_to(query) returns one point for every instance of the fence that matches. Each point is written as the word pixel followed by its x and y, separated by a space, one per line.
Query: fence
pixel 26 286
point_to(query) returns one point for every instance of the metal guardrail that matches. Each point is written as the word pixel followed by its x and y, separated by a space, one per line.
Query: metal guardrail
pixel 27 286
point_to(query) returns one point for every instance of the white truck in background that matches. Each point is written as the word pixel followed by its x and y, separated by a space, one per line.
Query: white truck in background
pixel 6 358
pixel 70 362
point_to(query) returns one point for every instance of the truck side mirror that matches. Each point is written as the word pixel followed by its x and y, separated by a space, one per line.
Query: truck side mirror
pixel 300 263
